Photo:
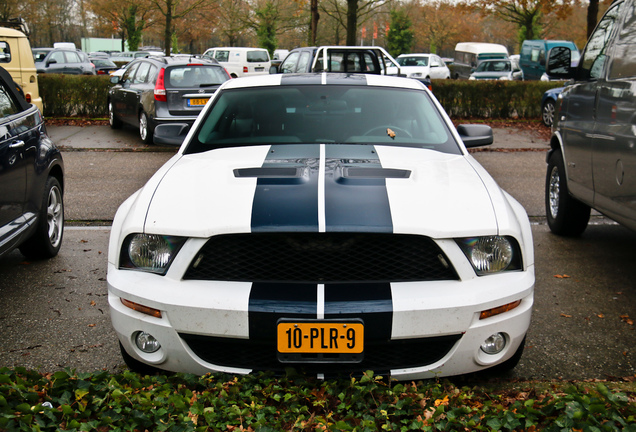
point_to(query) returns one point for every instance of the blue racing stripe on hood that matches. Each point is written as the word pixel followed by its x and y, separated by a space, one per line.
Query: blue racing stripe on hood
pixel 288 202
pixel 356 198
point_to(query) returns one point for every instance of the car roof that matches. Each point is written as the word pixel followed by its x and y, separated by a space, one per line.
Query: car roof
pixel 179 61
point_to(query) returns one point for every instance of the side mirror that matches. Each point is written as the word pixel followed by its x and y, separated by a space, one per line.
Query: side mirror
pixel 171 134
pixel 559 63
pixel 50 62
pixel 475 135
pixel 115 79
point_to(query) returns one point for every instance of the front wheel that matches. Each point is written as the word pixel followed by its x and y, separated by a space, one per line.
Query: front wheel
pixel 145 130
pixel 566 215
pixel 547 113
pixel 115 123
pixel 47 239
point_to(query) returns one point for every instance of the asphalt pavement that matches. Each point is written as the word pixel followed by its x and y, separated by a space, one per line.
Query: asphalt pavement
pixel 55 312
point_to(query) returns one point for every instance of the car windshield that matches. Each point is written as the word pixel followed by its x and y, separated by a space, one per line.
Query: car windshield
pixel 39 56
pixel 413 61
pixel 343 114
pixel 195 76
pixel 494 66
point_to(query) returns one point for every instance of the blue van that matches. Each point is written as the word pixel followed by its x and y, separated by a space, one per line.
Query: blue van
pixel 534 53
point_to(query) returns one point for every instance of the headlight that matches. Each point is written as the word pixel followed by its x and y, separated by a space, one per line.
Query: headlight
pixel 149 252
pixel 491 254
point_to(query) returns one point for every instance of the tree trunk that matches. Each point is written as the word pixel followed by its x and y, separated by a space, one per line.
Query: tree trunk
pixel 352 21
pixel 315 16
pixel 167 36
pixel 592 15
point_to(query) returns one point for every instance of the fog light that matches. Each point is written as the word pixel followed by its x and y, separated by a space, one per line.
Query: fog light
pixel 147 342
pixel 494 344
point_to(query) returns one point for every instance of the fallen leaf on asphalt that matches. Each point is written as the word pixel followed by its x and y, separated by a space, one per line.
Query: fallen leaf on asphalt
pixel 91 325
pixel 93 303
pixel 625 318
pixel 566 315
pixel 561 276
pixel 600 315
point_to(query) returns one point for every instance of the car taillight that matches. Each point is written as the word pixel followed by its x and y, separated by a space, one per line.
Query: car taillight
pixel 101 72
pixel 160 88
pixel 28 97
pixel 245 70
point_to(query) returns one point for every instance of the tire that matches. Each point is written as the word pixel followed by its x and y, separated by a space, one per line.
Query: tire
pixel 547 113
pixel 146 131
pixel 115 123
pixel 47 239
pixel 137 366
pixel 566 215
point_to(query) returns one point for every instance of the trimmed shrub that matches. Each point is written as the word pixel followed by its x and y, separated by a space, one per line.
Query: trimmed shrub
pixel 74 95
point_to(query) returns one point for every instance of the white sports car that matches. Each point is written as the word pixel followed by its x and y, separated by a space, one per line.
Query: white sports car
pixel 332 223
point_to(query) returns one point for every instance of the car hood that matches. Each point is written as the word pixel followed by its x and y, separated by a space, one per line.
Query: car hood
pixel 319 188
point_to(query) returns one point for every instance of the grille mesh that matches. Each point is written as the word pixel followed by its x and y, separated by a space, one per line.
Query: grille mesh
pixel 320 258
pixel 380 357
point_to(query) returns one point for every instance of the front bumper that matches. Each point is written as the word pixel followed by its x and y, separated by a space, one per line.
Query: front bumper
pixel 432 329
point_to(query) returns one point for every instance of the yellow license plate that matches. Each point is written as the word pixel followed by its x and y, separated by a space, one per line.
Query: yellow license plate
pixel 197 102
pixel 320 337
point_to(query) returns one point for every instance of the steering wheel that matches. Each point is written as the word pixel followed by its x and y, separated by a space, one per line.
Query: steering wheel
pixel 383 130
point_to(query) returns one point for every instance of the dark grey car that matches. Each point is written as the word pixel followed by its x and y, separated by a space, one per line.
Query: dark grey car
pixel 31 178
pixel 65 61
pixel 156 90
pixel 592 161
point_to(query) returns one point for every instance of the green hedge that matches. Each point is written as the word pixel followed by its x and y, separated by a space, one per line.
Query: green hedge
pixel 74 95
pixel 63 400
pixel 85 96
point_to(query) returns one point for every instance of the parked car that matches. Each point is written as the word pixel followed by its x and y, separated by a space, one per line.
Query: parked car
pixel 348 59
pixel 469 55
pixel 592 162
pixel 64 61
pixel 332 223
pixel 534 53
pixel 500 69
pixel 17 59
pixel 423 66
pixel 31 178
pixel 241 61
pixel 155 90
pixel 103 66
pixel 548 104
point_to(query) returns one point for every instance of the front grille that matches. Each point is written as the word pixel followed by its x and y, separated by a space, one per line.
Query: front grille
pixel 320 258
pixel 380 357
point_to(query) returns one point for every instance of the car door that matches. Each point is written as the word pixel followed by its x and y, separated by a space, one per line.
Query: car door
pixel 12 171
pixel 73 63
pixel 614 160
pixel 578 120
pixel 437 71
pixel 126 96
pixel 56 62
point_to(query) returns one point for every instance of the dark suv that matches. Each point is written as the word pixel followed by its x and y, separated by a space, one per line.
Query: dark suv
pixel 31 178
pixel 160 89
pixel 592 161
pixel 65 61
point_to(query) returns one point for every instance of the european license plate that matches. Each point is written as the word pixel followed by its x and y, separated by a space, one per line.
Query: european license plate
pixel 259 69
pixel 197 102
pixel 320 337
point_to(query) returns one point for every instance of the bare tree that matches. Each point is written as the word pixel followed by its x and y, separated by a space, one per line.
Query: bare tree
pixel 351 12
pixel 173 10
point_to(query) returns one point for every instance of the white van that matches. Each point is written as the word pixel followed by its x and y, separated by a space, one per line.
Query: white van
pixel 16 57
pixel 468 55
pixel 240 61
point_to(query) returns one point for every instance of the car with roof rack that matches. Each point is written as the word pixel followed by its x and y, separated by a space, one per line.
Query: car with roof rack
pixel 159 89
